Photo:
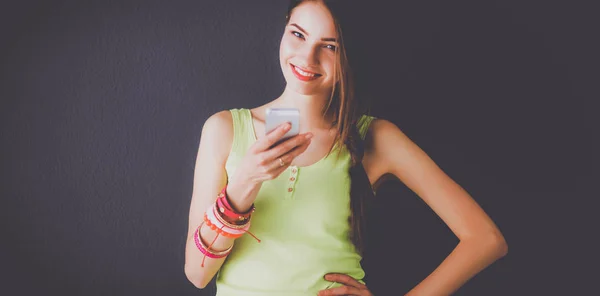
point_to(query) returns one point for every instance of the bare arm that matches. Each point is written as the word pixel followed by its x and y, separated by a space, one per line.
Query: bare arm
pixel 481 242
pixel 209 178
pixel 259 164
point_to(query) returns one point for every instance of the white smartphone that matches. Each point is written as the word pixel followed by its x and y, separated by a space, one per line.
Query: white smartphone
pixel 277 116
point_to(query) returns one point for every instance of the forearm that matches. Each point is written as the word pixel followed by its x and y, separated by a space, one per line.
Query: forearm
pixel 197 274
pixel 466 260
pixel 200 275
pixel 242 193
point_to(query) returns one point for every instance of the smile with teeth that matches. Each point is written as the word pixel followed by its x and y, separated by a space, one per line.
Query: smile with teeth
pixel 304 73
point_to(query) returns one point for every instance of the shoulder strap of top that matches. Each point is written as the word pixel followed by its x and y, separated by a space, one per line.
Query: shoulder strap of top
pixel 242 131
pixel 363 124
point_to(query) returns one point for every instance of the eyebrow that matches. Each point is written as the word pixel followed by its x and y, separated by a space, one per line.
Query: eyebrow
pixel 303 31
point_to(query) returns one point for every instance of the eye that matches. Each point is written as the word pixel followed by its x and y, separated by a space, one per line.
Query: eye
pixel 298 34
pixel 330 46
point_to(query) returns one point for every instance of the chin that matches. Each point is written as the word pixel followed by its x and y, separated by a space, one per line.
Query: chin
pixel 303 88
pixel 308 90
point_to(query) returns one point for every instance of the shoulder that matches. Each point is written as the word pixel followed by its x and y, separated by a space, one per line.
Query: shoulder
pixel 217 133
pixel 395 153
pixel 380 126
pixel 385 136
pixel 386 145
pixel 220 120
pixel 378 129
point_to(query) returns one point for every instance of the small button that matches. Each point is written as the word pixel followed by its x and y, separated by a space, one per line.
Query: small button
pixel 290 189
pixel 293 170
pixel 292 179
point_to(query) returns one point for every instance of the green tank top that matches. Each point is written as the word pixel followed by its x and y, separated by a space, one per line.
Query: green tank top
pixel 301 219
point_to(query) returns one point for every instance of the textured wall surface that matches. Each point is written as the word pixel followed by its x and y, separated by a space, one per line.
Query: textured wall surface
pixel 102 105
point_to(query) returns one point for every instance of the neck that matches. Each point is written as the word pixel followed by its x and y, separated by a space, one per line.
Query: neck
pixel 310 107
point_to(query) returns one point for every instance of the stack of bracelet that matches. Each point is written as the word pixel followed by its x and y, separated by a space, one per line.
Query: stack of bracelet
pixel 223 219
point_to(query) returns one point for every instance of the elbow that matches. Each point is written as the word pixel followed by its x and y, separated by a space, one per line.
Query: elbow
pixel 197 279
pixel 493 243
pixel 502 246
pixel 498 244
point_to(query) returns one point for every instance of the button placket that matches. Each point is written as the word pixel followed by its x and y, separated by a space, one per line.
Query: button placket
pixel 292 181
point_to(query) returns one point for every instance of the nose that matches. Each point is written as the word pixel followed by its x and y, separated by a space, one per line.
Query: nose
pixel 310 55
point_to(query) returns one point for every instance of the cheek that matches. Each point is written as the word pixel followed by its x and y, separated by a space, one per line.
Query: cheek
pixel 283 51
pixel 329 66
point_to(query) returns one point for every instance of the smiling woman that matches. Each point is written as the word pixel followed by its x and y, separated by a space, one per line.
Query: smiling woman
pixel 288 219
pixel 308 49
pixel 301 71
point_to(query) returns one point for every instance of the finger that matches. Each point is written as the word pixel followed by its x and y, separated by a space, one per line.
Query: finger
pixel 276 167
pixel 287 146
pixel 269 139
pixel 287 158
pixel 343 290
pixel 298 149
pixel 344 279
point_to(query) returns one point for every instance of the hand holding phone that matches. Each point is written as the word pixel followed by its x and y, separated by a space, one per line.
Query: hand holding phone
pixel 268 157
pixel 277 116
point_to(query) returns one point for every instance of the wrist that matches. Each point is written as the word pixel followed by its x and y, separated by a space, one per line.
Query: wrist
pixel 240 196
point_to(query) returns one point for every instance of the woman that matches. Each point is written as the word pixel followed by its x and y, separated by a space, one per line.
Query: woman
pixel 304 206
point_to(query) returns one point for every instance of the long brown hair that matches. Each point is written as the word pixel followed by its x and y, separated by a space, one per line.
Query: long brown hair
pixel 346 109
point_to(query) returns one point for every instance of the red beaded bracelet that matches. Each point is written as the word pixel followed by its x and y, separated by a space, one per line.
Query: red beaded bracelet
pixel 222 229
pixel 227 211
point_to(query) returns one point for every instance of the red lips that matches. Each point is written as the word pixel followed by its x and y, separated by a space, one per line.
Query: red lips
pixel 302 77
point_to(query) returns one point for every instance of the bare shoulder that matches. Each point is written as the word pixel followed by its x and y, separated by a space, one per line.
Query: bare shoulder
pixel 388 144
pixel 374 161
pixel 381 129
pixel 209 171
pixel 383 141
pixel 220 120
pixel 217 135
pixel 394 153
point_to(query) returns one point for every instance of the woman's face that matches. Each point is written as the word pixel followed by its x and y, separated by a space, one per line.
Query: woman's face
pixel 307 49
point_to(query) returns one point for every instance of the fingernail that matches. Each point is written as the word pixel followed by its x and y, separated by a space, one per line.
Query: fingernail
pixel 287 126
pixel 309 135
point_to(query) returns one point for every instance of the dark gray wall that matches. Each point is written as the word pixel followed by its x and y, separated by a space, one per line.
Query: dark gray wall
pixel 103 105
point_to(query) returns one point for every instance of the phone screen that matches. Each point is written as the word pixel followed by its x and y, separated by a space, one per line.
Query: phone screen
pixel 277 116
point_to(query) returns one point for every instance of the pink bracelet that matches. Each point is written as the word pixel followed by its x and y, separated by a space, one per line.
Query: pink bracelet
pixel 222 226
pixel 238 230
pixel 219 230
pixel 206 250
